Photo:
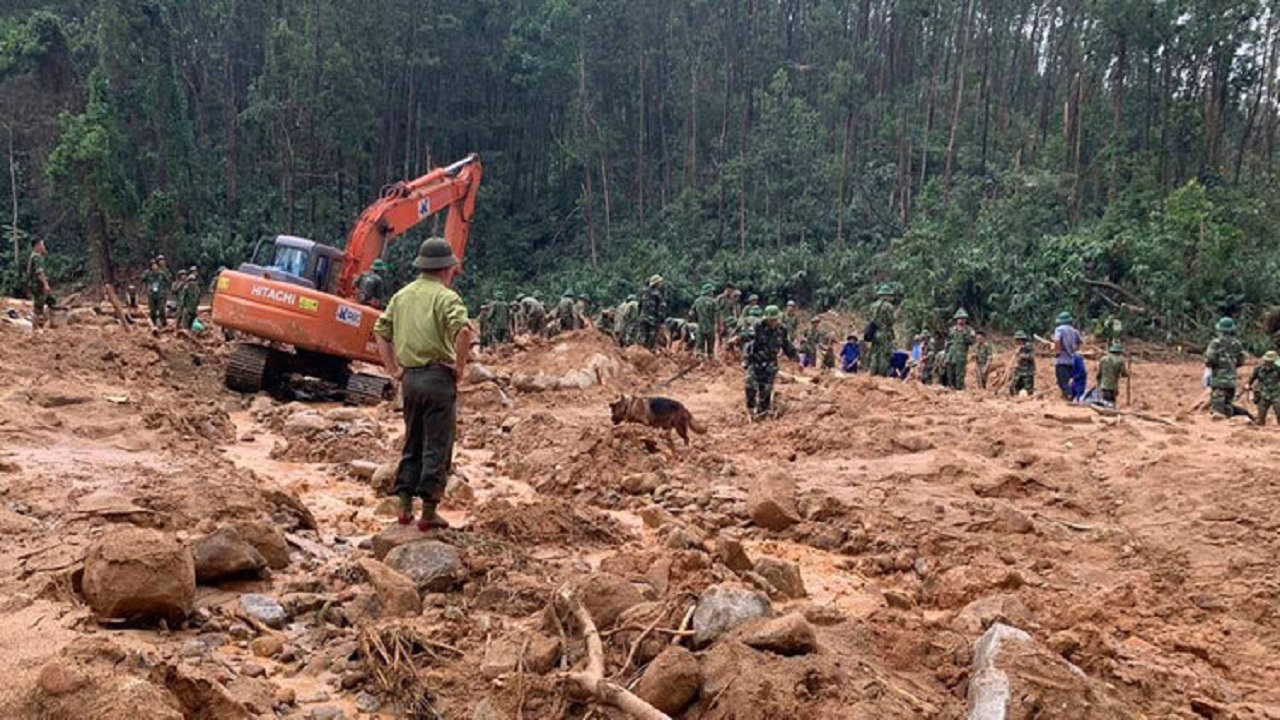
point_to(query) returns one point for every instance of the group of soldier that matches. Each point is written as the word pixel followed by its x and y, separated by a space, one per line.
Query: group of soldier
pixel 160 284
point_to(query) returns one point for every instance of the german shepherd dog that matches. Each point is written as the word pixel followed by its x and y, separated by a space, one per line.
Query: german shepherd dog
pixel 656 412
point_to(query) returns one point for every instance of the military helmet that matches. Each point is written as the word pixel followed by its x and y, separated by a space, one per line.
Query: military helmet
pixel 707 288
pixel 1020 335
pixel 584 297
pixel 1116 347
pixel 753 298
pixel 1271 356
pixel 380 265
pixel 655 281
pixel 885 290
pixel 961 314
pixel 1064 318
pixel 791 303
pixel 755 311
pixel 567 294
pixel 193 268
pixel 772 312
pixel 435 254
pixel 815 320
pixel 631 297
pixel 499 295
pixel 1226 325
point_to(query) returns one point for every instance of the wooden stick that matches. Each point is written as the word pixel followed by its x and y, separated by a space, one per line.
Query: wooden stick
pixel 591 681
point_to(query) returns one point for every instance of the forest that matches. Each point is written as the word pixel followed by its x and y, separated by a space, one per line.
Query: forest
pixel 1015 157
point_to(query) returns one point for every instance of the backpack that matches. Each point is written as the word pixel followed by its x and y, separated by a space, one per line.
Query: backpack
pixel 869 334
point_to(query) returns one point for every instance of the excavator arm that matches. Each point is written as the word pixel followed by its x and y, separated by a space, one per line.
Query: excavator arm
pixel 404 205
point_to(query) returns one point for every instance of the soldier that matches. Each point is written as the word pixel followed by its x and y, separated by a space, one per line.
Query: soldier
pixel 1024 373
pixel 583 306
pixel 983 356
pixel 729 304
pixel 928 361
pixel 1265 384
pixel 706 312
pixel 179 289
pixel 565 316
pixel 753 300
pixel 627 320
pixel 38 284
pixel 958 342
pixel 501 319
pixel 673 328
pixel 131 297
pixel 1223 356
pixel 1110 369
pixel 156 282
pixel 371 290
pixel 653 308
pixel 189 302
pixel 791 318
pixel 535 315
pixel 880 331
pixel 768 338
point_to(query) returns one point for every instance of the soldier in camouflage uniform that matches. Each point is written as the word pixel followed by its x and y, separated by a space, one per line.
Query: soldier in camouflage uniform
pixel 38 284
pixel 371 289
pixel 1224 355
pixel 1110 369
pixel 565 316
pixel 189 299
pixel 791 318
pixel 1024 373
pixel 729 304
pixel 1265 384
pixel 157 281
pixel 653 308
pixel 928 363
pixel 707 312
pixel 768 338
pixel 983 356
pixel 880 331
pixel 535 315
pixel 959 339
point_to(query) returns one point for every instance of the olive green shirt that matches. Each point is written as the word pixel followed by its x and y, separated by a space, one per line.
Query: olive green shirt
pixel 421 321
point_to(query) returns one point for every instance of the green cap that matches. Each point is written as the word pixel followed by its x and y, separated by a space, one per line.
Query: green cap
pixel 380 265
pixel 1116 347
pixel 773 312
pixel 707 288
pixel 435 254
pixel 755 311
pixel 884 290
pixel 961 314
pixel 1226 325
pixel 1064 318
pixel 631 297
pixel 567 294
pixel 1020 335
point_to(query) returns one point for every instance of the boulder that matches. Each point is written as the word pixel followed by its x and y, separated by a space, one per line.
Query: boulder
pixel 606 596
pixel 641 483
pixel 389 594
pixel 383 481
pixel 265 609
pixel 432 565
pixel 1012 521
pixel 733 555
pixel 724 607
pixel 225 554
pixel 771 502
pixel 363 469
pixel 671 681
pixel 267 540
pixel 783 575
pixel 304 423
pixel 136 573
pixel 984 612
pixel 503 655
pixel 790 634
pixel 1015 678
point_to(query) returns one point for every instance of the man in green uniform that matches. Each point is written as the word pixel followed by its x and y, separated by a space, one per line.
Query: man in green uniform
pixel 38 284
pixel 928 361
pixel 812 342
pixel 729 303
pixel 706 312
pixel 424 339
pixel 565 316
pixel 982 354
pixel 1024 373
pixel 791 318
pixel 653 308
pixel 500 319
pixel 1110 369
pixel 156 280
pixel 1223 356
pixel 768 338
pixel 880 331
pixel 189 301
pixel 583 305
pixel 1265 384
pixel 535 315
pixel 958 341
pixel 371 289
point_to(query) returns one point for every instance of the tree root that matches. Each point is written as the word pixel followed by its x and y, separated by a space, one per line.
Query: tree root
pixel 591 681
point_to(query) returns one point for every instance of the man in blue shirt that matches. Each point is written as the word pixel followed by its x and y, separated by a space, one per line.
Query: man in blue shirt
pixel 849 353
pixel 1066 344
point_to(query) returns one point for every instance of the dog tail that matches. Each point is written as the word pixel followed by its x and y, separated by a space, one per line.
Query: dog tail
pixel 696 426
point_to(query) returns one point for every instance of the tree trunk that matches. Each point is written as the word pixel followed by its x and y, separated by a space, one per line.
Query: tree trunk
pixel 587 200
pixel 230 119
pixel 13 195
pixel 1117 114
pixel 959 97
pixel 844 174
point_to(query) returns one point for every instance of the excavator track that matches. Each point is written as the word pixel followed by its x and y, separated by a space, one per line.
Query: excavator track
pixel 365 389
pixel 248 367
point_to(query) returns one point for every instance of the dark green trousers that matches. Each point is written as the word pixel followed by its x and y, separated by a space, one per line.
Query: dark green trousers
pixel 430 411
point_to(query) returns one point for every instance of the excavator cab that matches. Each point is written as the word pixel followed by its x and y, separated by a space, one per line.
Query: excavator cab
pixel 298 261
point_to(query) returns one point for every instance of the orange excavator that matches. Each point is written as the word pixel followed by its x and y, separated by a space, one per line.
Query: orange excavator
pixel 300 306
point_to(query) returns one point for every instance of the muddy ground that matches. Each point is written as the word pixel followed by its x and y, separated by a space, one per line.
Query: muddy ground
pixel 1137 553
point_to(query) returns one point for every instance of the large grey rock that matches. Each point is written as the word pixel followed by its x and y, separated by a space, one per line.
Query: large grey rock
pixel 135 573
pixel 225 554
pixel 671 681
pixel 1015 678
pixel 724 607
pixel 432 565
pixel 264 609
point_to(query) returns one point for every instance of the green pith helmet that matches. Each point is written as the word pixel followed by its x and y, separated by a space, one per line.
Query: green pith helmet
pixel 791 303
pixel 567 294
pixel 499 296
pixel 772 312
pixel 435 254
pixel 755 311
pixel 753 299
pixel 655 281
pixel 1064 318
pixel 961 314
pixel 885 290
pixel 815 320
pixel 707 288
pixel 1226 325
pixel 1020 335
pixel 1271 356
pixel 380 265
pixel 1116 347
pixel 631 297
pixel 584 298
